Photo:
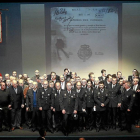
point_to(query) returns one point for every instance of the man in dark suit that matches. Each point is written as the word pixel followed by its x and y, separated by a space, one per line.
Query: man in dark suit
pixel 113 89
pixel 16 103
pixel 103 77
pixel 119 76
pixel 101 99
pixel 136 107
pixel 1 80
pixel 63 82
pixel 7 77
pixel 4 111
pixel 67 75
pixel 84 83
pixel 56 106
pixel 46 100
pixel 53 77
pixel 131 77
pixel 108 80
pixel 81 106
pixel 36 75
pixel 41 80
pixel 126 102
pixel 73 85
pixel 92 78
pixel 69 106
pixel 32 105
pixel 8 83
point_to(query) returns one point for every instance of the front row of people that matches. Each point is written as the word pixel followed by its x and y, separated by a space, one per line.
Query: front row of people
pixel 73 109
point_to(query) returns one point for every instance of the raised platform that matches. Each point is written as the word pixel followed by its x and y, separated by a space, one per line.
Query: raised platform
pixel 88 135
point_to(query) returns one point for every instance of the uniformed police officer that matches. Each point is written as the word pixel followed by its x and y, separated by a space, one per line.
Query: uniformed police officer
pixel 89 97
pixel 56 106
pixel 81 105
pixel 101 99
pixel 126 102
pixel 46 101
pixel 68 105
pixel 113 102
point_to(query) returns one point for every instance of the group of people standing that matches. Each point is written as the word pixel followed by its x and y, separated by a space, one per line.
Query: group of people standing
pixel 69 103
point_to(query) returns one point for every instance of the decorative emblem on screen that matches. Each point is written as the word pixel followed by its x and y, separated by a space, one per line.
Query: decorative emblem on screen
pixel 84 52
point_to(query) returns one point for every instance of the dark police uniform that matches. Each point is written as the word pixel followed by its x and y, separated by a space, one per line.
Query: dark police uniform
pixel 127 100
pixel 68 102
pixel 81 105
pixel 58 112
pixel 89 97
pixel 113 103
pixel 101 97
pixel 46 100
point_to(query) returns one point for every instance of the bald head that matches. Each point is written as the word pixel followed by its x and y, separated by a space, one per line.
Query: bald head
pixel 35 85
pixel 45 84
pixel 14 83
pixel 21 82
pixel 7 77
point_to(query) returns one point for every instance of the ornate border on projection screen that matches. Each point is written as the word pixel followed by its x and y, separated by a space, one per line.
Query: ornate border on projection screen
pixel 0 28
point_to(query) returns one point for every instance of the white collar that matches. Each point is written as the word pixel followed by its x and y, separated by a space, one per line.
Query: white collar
pixel 128 89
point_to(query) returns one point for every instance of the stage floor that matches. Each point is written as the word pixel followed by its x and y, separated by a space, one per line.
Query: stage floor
pixel 26 133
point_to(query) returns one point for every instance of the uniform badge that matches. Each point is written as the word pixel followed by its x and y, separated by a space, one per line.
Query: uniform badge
pixel 98 93
pixel 106 94
pixel 42 92
pixel 64 94
pixel 55 94
pixel 71 96
pixel 42 96
pixel 85 95
pixel 48 94
pixel 133 95
pixel 127 96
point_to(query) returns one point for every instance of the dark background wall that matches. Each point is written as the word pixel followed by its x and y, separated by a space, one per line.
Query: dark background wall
pixel 10 48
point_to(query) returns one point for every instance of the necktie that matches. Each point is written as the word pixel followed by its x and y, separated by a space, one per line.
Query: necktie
pixel 134 87
pixel 16 90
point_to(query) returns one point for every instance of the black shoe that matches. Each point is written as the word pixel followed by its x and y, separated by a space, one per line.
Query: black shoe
pixel 91 128
pixel 66 133
pixel 33 129
pixel 129 130
pixel 0 129
pixel 9 130
pixel 56 130
pixel 51 130
pixel 121 129
pixel 6 129
pixel 97 129
pixel 80 129
pixel 114 127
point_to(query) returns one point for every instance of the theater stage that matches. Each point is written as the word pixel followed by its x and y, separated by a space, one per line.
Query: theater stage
pixel 102 135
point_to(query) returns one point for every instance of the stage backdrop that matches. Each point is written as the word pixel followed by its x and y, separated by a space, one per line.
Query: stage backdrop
pixel 34 35
pixel 84 39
